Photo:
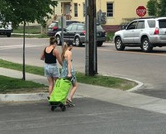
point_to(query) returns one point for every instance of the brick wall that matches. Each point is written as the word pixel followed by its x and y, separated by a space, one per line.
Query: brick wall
pixel 111 28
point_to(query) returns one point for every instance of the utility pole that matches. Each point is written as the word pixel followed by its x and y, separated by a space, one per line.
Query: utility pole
pixel 62 22
pixel 91 68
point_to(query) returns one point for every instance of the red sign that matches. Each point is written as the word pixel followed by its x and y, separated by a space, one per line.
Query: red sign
pixel 141 11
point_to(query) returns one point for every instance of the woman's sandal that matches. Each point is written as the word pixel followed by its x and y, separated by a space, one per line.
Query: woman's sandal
pixel 69 103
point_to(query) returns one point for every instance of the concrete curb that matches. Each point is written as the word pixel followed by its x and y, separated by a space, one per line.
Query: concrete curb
pixel 23 97
pixel 28 97
pixel 42 80
pixel 140 84
pixel 43 96
pixel 22 34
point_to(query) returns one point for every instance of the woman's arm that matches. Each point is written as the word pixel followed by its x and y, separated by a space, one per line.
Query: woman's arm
pixel 42 56
pixel 69 55
pixel 58 57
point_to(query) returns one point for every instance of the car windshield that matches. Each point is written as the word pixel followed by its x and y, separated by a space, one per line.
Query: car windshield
pixel 162 23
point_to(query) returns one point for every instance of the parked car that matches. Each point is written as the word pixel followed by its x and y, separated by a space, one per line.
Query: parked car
pixel 75 33
pixel 6 29
pixel 55 27
pixel 145 33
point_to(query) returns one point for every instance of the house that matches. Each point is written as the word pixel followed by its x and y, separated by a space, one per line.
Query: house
pixel 113 12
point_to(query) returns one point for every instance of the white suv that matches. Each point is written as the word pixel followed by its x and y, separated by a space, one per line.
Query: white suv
pixel 145 33
pixel 6 29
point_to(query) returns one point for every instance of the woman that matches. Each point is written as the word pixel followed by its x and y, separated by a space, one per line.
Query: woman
pixel 51 71
pixel 68 70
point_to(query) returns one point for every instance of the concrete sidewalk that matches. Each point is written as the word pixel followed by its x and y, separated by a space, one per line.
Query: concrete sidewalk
pixel 116 96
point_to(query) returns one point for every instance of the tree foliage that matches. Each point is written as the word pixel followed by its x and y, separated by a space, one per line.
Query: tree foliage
pixel 152 7
pixel 22 11
pixel 156 7
pixel 162 7
pixel 18 11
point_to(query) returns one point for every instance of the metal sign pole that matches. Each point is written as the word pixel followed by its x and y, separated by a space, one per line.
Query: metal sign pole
pixel 86 38
pixel 95 46
pixel 62 29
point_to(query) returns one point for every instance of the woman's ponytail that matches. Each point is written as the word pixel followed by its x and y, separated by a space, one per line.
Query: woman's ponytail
pixel 64 48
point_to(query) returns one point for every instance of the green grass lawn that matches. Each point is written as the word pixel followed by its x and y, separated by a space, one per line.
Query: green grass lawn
pixel 13 85
pixel 110 36
pixel 35 30
pixel 99 80
pixel 28 29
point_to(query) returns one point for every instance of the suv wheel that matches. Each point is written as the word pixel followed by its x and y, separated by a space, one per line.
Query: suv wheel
pixel 9 34
pixel 119 44
pixel 58 40
pixel 146 47
pixel 77 42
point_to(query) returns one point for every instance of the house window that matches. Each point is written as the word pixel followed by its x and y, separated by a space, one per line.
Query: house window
pixel 75 10
pixel 83 9
pixel 109 9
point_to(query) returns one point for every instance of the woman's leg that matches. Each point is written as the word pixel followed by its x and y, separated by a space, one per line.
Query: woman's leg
pixel 72 92
pixel 54 80
pixel 51 85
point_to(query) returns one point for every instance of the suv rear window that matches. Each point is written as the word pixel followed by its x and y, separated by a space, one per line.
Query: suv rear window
pixel 151 23
pixel 53 24
pixel 0 24
pixel 81 27
pixel 162 23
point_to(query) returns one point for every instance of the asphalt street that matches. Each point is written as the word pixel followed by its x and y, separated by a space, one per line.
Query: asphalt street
pixel 98 110
pixel 90 116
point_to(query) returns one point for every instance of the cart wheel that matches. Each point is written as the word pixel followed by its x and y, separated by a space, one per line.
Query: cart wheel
pixel 52 108
pixel 63 108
